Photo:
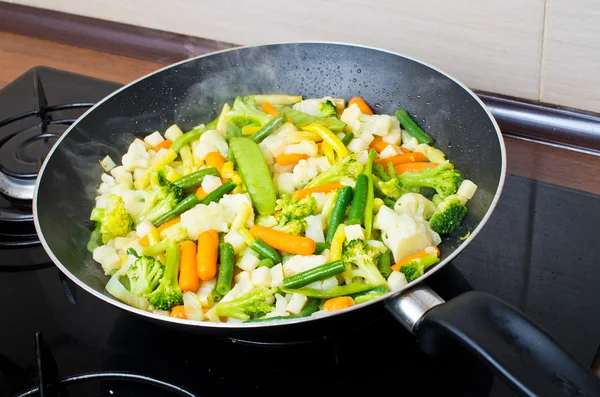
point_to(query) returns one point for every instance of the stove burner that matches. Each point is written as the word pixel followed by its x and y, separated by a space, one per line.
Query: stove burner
pixel 95 383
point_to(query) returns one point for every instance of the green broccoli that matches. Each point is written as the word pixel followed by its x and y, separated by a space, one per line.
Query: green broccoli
pixel 360 260
pixel 244 112
pixel 415 268
pixel 168 294
pixel 174 237
pixel 144 275
pixel 295 227
pixel 449 216
pixel 317 107
pixel 443 178
pixel 258 300
pixel 114 220
pixel 348 167
pixel 393 189
pixel 293 211
pixel 161 200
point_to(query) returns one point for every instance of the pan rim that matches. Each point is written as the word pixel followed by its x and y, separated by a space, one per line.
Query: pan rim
pixel 274 323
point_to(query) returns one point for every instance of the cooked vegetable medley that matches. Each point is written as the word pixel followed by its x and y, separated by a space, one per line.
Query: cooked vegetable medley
pixel 280 208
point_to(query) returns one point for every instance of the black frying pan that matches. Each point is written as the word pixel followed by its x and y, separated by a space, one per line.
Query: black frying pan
pixel 194 90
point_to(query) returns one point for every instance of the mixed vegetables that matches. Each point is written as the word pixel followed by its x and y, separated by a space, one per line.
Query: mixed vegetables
pixel 281 207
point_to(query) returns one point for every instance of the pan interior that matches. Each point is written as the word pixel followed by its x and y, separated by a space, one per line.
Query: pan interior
pixel 193 92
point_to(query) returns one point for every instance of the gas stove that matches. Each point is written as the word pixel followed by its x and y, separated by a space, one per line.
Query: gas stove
pixel 58 340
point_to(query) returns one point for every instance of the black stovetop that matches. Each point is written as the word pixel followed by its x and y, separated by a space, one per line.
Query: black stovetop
pixel 537 252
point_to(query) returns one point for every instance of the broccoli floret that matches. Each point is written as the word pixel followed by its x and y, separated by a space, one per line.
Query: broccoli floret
pixel 160 201
pixel 449 216
pixel 295 227
pixel 360 260
pixel 291 208
pixel 394 189
pixel 168 293
pixel 258 300
pixel 415 268
pixel 175 237
pixel 144 275
pixel 348 167
pixel 443 178
pixel 114 220
pixel 327 109
pixel 317 107
pixel 244 112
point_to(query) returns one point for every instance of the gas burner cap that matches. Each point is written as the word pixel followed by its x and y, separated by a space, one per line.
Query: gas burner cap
pixel 18 188
pixel 21 156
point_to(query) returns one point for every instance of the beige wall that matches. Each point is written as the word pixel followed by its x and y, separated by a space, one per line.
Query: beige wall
pixel 536 49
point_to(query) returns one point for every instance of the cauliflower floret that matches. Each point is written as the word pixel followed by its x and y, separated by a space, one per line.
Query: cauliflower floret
pixel 266 153
pixel 304 172
pixel 232 204
pixel 154 139
pixel 393 137
pixel 403 233
pixel 389 151
pixel 320 107
pixel 321 163
pixel 358 145
pixel 211 141
pixel 108 182
pixel 236 240
pixel 314 228
pixel 416 205
pixel 286 183
pixel 377 124
pixel 108 258
pixel 204 217
pixel 282 169
pixel 134 201
pixel 396 281
pixel 351 116
pixel 136 156
pixel 299 263
pixel 321 199
pixel 305 147
pixel 122 176
pixel 275 144
pixel 210 183
pixel 409 142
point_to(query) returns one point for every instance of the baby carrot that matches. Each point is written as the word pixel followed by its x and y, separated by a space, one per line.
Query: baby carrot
pixel 300 194
pixel 144 241
pixel 178 312
pixel 268 108
pixel 214 159
pixel 188 271
pixel 208 250
pixel 420 254
pixel 168 224
pixel 163 145
pixel 290 159
pixel 362 105
pixel 283 241
pixel 378 145
pixel 339 303
pixel 403 158
pixel 414 167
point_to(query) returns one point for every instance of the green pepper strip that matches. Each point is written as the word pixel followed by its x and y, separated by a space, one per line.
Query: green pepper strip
pixel 195 178
pixel 412 127
pixel 268 129
pixel 225 276
pixel 339 212
pixel 359 200
pixel 315 274
pixel 265 250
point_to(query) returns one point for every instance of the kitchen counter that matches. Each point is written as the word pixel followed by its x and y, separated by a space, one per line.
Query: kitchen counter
pixel 531 160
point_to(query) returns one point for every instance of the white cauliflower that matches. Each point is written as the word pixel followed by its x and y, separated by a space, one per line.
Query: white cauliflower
pixel 299 263
pixel 416 205
pixel 314 227
pixel 134 201
pixel 286 183
pixel 304 172
pixel 403 233
pixel 136 156
pixel 320 107
pixel 321 163
pixel 107 257
pixel 305 147
pixel 211 141
pixel 122 176
pixel 108 182
pixel 377 124
pixel 204 217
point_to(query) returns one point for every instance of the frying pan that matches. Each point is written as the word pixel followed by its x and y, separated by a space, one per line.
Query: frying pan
pixel 193 91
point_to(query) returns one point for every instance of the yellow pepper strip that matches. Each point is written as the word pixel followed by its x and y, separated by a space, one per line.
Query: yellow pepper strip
pixel 250 129
pixel 329 138
pixel 187 158
pixel 222 123
pixel 299 136
pixel 153 236
pixel 159 162
pixel 335 252
pixel 328 152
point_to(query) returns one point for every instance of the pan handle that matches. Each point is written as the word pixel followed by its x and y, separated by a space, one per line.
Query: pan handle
pixel 517 349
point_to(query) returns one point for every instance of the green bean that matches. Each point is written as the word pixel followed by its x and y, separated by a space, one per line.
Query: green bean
pixel 339 212
pixel 266 262
pixel 315 274
pixel 187 203
pixel 359 201
pixel 321 247
pixel 195 178
pixel 255 173
pixel 368 212
pixel 265 250
pixel 269 128
pixel 385 264
pixel 347 138
pixel 412 127
pixel 338 290
pixel 219 192
pixel 225 276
